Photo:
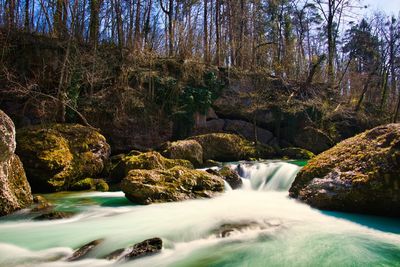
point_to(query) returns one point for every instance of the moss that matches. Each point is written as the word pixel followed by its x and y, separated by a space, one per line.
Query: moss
pixel 296 153
pixel 175 184
pixel 225 147
pixel 58 155
pixel 362 165
pixel 91 184
pixel 146 161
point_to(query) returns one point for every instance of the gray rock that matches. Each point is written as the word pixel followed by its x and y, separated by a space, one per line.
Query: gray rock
pixel 15 192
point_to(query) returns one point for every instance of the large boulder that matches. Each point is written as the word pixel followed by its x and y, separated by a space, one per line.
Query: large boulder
pixel 59 155
pixel 230 147
pixel 360 174
pixel 189 150
pixel 15 192
pixel 144 161
pixel 175 184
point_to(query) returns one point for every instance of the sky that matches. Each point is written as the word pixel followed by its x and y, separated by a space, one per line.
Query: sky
pixel 388 6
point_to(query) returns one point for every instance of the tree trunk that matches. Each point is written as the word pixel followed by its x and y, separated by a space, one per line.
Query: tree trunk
pixel 94 22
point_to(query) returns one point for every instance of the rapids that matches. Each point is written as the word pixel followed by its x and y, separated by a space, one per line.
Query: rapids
pixel 280 231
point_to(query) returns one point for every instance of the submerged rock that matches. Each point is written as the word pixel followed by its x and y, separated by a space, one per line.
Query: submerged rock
pixel 231 177
pixel 58 155
pixel 225 230
pixel 189 150
pixel 230 147
pixel 83 251
pixel 145 161
pixel 360 174
pixel 15 192
pixel 175 184
pixel 147 247
pixel 41 204
pixel 296 153
pixel 54 215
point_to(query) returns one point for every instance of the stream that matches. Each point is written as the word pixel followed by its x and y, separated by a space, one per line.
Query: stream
pixel 266 228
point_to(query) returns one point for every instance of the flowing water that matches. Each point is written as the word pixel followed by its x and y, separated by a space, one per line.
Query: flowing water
pixel 275 230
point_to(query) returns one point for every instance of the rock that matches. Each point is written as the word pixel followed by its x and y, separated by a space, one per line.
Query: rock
pixel 225 147
pixel 59 155
pixel 360 174
pixel 41 204
pixel 7 137
pixel 296 153
pixel 231 177
pixel 211 126
pixel 146 161
pixel 90 184
pixel 83 251
pixel 54 215
pixel 145 248
pixel 227 229
pixel 189 150
pixel 246 130
pixel 175 184
pixel 313 140
pixel 15 191
pixel 115 254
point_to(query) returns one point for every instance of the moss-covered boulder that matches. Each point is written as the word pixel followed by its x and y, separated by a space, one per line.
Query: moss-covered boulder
pixel 230 147
pixel 296 153
pixel 59 155
pixel 15 192
pixel 189 150
pixel 144 161
pixel 175 184
pixel 360 174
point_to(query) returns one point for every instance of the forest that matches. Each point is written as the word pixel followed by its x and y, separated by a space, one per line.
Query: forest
pixel 199 133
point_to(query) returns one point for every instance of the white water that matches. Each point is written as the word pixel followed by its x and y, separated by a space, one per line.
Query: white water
pixel 283 232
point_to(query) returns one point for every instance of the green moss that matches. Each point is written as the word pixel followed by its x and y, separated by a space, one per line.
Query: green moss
pixel 146 161
pixel 175 184
pixel 57 155
pixel 230 147
pixel 90 184
pixel 296 153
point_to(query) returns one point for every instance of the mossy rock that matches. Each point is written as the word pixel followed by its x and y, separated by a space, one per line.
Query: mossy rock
pixel 296 153
pixel 58 155
pixel 175 184
pixel 229 147
pixel 189 150
pixel 360 174
pixel 90 184
pixel 145 161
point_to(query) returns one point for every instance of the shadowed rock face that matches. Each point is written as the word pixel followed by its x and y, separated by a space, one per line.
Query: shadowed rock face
pixel 59 155
pixel 15 192
pixel 360 174
pixel 175 184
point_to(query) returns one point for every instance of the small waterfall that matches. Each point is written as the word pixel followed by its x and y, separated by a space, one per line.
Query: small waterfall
pixel 267 176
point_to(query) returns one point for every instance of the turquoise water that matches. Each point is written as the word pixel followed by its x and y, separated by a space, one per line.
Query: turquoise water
pixel 281 232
